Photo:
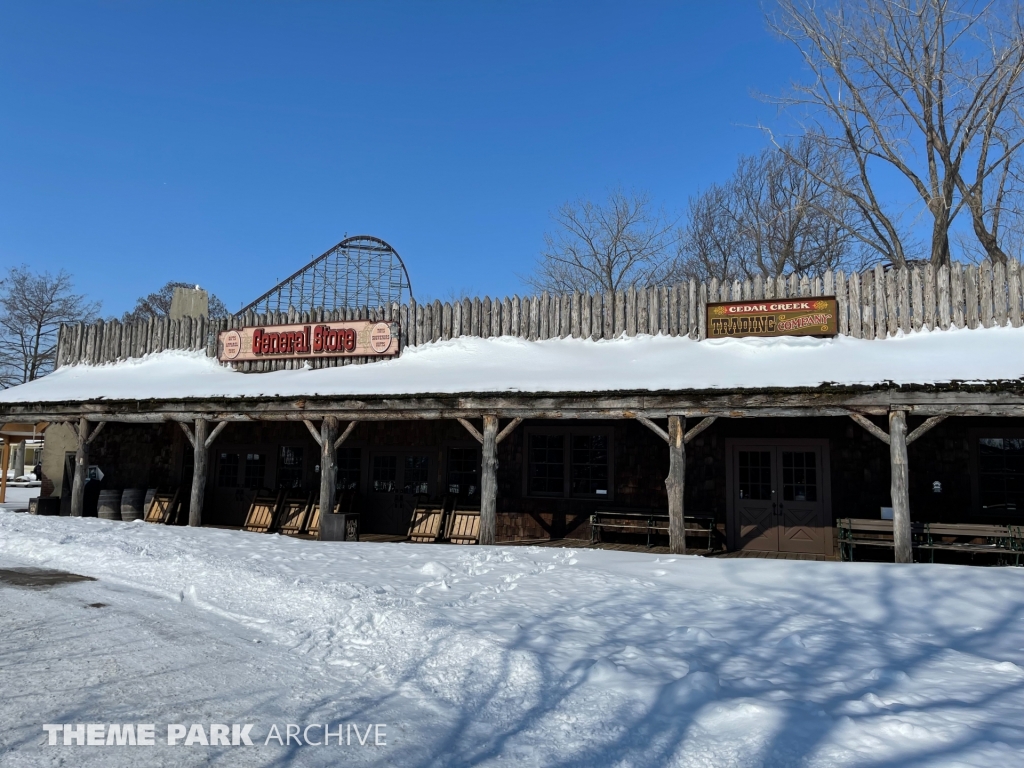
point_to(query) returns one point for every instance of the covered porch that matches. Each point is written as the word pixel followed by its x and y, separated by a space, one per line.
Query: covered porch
pixel 488 452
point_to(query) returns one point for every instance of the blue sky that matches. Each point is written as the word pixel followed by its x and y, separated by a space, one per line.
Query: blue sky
pixel 227 143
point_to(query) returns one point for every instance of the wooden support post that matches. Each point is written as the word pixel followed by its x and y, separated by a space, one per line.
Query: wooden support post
pixel 345 434
pixel 675 484
pixel 701 426
pixel 509 428
pixel 653 427
pixel 899 489
pixel 328 464
pixel 471 429
pixel 489 481
pixel 934 421
pixel 313 431
pixel 200 454
pixel 81 466
pixel 871 427
pixel 5 457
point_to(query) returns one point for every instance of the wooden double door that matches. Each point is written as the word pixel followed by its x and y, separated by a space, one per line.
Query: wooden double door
pixel 779 496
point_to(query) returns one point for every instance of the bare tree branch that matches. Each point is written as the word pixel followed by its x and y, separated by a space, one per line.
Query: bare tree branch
pixel 779 212
pixel 606 246
pixel 32 309
pixel 924 87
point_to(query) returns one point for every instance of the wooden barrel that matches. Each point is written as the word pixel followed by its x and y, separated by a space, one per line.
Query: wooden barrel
pixel 108 506
pixel 132 504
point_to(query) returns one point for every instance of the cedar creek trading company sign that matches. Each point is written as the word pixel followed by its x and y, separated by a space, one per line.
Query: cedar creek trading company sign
pixel 354 338
pixel 813 316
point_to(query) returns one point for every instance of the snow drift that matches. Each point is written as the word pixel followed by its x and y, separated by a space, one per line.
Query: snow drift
pixel 505 656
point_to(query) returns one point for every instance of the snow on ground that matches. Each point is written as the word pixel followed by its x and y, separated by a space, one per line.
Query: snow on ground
pixel 506 364
pixel 504 656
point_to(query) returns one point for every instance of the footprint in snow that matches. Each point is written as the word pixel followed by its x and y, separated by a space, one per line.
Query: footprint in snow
pixel 792 641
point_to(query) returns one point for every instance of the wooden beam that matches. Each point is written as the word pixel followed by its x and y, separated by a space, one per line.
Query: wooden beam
pixel 188 433
pixel 899 488
pixel 580 411
pixel 201 455
pixel 345 434
pixel 81 467
pixel 216 431
pixel 96 431
pixel 932 421
pixel 509 428
pixel 328 465
pixel 704 424
pixel 653 427
pixel 675 484
pixel 871 427
pixel 489 482
pixel 696 405
pixel 472 430
pixel 5 458
pixel 313 431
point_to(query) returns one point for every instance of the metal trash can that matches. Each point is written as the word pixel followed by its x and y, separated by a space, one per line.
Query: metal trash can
pixel 44 505
pixel 339 527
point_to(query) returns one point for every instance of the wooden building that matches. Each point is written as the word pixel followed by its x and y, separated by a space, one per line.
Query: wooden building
pixel 546 409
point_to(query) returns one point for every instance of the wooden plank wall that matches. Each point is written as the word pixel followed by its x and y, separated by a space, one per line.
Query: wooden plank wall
pixel 872 305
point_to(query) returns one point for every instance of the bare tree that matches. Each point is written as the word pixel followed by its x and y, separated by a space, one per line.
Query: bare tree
pixel 158 304
pixel 606 246
pixel 928 88
pixel 779 212
pixel 710 242
pixel 32 309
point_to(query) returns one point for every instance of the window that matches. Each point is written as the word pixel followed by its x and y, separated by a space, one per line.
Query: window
pixel 589 469
pixel 289 467
pixel 255 469
pixel 575 462
pixel 384 473
pixel 349 468
pixel 416 475
pixel 1001 474
pixel 463 472
pixel 227 470
pixel 755 470
pixel 546 465
pixel 799 476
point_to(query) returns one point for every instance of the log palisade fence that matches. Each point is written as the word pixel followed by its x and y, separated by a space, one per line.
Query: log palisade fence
pixel 873 304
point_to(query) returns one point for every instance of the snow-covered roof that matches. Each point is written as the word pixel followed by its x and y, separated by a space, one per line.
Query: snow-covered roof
pixel 510 365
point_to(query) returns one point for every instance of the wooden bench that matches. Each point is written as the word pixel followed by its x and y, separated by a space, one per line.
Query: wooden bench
pixel 996 539
pixel 869 532
pixel 650 523
pixel 1003 540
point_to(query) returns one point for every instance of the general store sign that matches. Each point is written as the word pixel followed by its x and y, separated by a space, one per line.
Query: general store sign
pixel 353 338
pixel 814 316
